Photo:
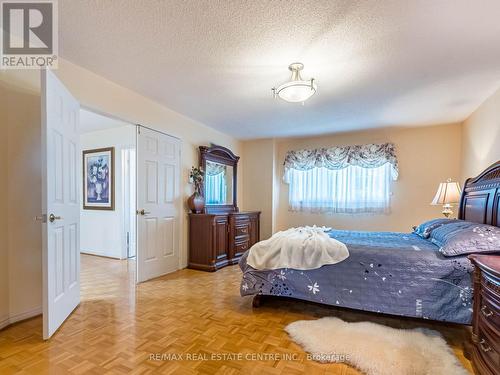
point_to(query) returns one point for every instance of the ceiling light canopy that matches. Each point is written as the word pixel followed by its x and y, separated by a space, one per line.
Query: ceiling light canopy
pixel 296 90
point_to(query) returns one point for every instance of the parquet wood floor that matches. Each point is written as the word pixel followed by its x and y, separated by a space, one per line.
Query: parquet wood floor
pixel 118 326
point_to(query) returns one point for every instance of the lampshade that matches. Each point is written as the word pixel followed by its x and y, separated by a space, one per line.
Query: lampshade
pixel 448 192
pixel 297 90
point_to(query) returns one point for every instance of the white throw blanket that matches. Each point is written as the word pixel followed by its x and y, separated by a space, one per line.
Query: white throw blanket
pixel 303 248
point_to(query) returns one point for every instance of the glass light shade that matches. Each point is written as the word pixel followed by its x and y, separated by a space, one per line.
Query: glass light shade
pixel 448 192
pixel 296 91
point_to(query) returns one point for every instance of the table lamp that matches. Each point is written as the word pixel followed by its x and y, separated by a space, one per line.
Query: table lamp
pixel 447 194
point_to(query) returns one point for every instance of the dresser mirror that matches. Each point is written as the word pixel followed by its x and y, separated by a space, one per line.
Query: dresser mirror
pixel 219 185
pixel 221 234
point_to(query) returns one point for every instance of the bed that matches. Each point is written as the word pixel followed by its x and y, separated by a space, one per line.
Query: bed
pixel 392 273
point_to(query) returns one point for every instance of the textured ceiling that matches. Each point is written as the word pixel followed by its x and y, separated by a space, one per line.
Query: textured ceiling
pixel 377 63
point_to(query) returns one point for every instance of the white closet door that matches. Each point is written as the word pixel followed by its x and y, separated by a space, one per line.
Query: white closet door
pixel 60 203
pixel 158 204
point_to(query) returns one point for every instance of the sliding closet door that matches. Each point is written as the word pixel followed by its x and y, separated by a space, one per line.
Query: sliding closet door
pixel 158 203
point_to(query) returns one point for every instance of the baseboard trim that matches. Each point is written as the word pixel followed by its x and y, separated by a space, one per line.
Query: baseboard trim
pixel 100 255
pixel 4 322
pixel 7 321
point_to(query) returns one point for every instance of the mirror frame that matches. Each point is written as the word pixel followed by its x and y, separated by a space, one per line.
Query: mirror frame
pixel 224 156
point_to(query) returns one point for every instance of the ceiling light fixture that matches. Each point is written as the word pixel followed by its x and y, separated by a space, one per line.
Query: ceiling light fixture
pixel 296 90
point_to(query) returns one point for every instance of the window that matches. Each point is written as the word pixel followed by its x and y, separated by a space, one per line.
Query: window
pixel 350 179
pixel 352 189
pixel 215 188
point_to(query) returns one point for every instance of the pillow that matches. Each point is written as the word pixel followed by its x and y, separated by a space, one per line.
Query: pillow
pixel 440 235
pixel 424 230
pixel 464 237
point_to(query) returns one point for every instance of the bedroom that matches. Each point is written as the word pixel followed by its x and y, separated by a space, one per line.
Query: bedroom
pixel 204 75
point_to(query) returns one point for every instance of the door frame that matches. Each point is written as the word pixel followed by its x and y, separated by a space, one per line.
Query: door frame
pixel 127 199
pixel 180 208
pixel 118 151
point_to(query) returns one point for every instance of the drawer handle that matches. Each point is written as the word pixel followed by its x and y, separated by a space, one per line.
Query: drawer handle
pixel 484 348
pixel 244 230
pixel 486 314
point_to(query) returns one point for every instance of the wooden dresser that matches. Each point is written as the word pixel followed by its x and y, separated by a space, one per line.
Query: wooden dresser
pixel 221 234
pixel 218 240
pixel 486 315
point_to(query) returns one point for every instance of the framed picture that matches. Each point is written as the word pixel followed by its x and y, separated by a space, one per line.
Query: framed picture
pixel 99 179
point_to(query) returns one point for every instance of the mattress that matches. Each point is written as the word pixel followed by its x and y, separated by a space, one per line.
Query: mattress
pixel 386 272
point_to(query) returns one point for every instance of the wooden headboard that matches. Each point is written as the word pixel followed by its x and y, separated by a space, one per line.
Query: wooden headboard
pixel 480 201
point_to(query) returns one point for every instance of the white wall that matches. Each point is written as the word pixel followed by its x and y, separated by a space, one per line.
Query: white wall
pixel 102 232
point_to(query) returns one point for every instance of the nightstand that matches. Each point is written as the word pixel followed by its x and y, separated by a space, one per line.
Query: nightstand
pixel 486 314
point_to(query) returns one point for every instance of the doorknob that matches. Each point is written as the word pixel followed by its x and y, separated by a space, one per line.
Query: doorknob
pixel 53 218
pixel 143 212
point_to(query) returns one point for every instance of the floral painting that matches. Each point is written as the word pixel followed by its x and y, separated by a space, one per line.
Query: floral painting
pixel 98 179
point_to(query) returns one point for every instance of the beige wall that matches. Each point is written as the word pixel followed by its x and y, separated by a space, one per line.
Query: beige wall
pixel 22 189
pixel 258 193
pixel 24 174
pixel 426 155
pixel 100 94
pixel 4 259
pixel 24 184
pixel 481 138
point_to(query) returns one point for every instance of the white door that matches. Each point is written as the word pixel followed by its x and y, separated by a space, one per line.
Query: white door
pixel 60 203
pixel 158 203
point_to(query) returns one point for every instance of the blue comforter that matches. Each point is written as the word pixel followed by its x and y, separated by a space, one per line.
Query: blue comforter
pixel 386 272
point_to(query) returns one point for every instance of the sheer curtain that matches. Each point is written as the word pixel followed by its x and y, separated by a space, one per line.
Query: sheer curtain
pixel 352 189
pixel 215 188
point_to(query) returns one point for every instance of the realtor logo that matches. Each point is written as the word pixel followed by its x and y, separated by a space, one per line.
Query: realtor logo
pixel 29 34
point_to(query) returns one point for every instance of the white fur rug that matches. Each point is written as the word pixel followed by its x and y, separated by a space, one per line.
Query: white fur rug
pixel 376 349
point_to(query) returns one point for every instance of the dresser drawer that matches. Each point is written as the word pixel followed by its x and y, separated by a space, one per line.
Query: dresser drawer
pixel 486 319
pixel 488 347
pixel 242 229
pixel 241 219
pixel 489 309
pixel 241 247
pixel 489 284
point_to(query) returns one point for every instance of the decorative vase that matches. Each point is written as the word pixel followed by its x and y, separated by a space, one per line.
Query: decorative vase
pixel 196 203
